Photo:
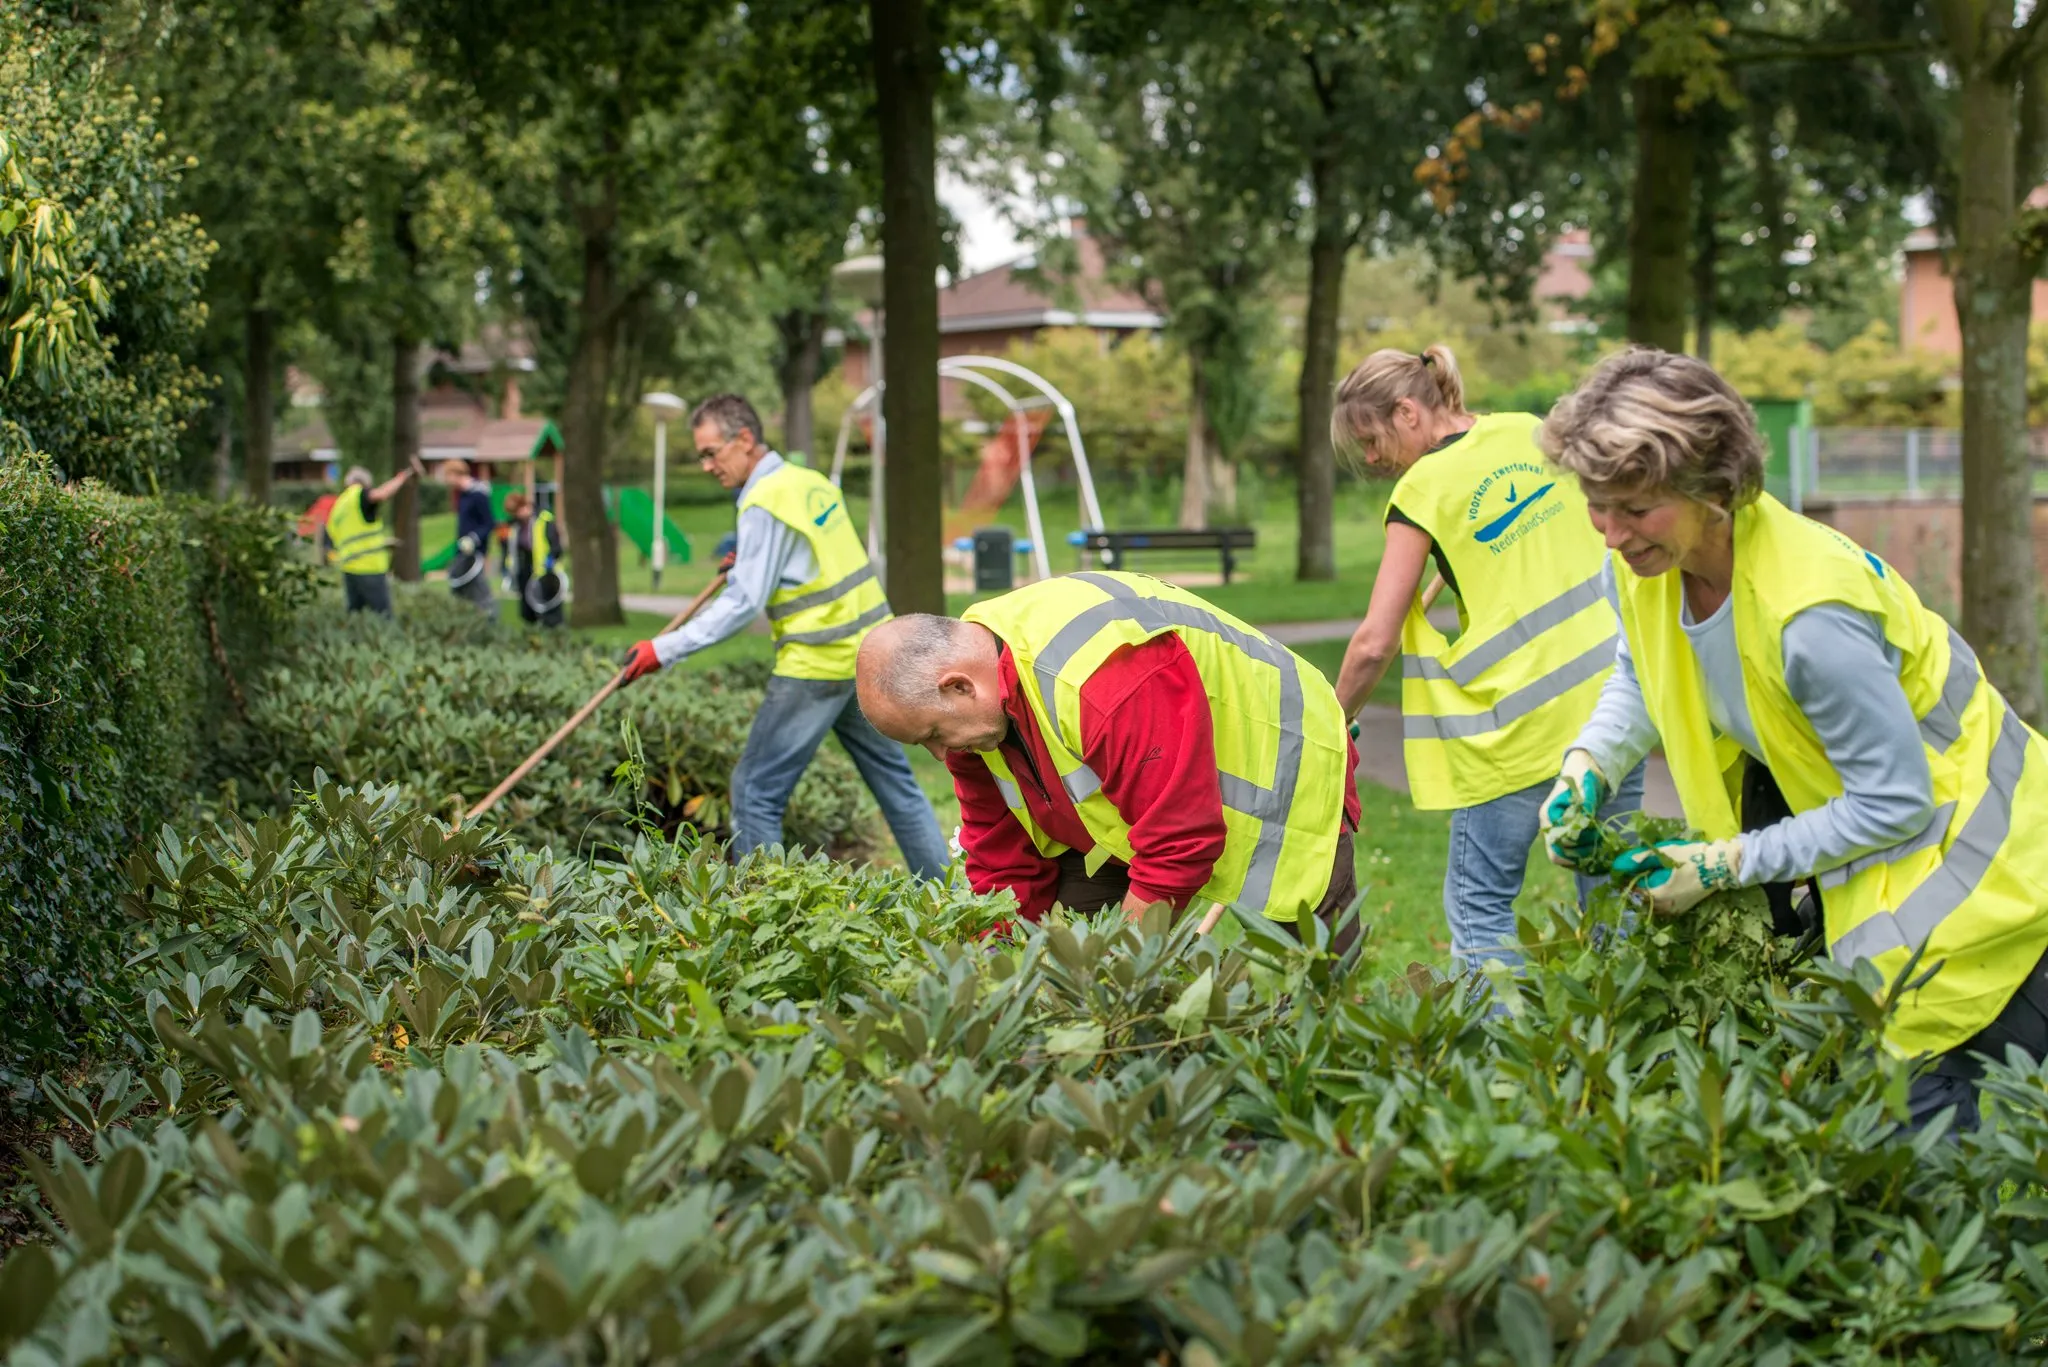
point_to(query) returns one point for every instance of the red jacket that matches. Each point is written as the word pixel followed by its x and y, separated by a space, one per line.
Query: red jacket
pixel 1146 731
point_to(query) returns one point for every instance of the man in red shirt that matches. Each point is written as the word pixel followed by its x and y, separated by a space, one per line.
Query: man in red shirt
pixel 1147 730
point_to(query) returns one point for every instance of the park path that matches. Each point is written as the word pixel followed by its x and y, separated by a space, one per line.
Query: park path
pixel 1379 728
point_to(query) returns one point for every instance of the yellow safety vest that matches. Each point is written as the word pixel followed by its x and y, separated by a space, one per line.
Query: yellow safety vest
pixel 1973 887
pixel 1280 744
pixel 355 543
pixel 544 537
pixel 1491 713
pixel 818 625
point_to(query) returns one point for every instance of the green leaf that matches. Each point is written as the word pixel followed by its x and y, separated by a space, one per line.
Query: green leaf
pixel 1075 1039
pixel 305 1033
pixel 709 1017
pixel 28 1285
pixel 946 1339
pixel 1056 1333
pixel 1191 1009
pixel 1525 1326
pixel 950 1268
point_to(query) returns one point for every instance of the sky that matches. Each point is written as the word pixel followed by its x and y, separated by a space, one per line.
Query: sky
pixel 986 240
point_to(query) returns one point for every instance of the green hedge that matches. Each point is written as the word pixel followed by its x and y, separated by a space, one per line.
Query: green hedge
pixel 445 702
pixel 112 688
pixel 431 1098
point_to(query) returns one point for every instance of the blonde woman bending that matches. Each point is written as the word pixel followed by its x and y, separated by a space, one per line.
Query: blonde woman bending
pixel 1821 724
pixel 1485 717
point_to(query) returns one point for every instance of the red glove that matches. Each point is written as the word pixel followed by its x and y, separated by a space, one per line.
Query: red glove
pixel 640 660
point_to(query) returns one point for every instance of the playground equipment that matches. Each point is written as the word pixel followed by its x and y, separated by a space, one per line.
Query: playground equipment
pixel 634 514
pixel 1018 430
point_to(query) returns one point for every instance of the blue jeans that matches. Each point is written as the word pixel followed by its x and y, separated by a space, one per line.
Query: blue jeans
pixel 794 717
pixel 1488 862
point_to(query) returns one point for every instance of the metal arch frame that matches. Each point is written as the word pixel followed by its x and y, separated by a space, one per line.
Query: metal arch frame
pixel 967 368
pixel 1089 506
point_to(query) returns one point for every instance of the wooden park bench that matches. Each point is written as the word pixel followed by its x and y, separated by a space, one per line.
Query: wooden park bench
pixel 1110 548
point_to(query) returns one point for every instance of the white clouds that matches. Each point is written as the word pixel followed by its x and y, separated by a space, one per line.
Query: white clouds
pixel 986 237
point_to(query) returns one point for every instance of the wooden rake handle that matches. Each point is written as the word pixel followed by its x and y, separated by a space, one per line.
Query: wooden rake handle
pixel 618 681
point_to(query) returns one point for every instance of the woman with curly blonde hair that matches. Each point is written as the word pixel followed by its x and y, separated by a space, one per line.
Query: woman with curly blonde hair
pixel 1484 717
pixel 1823 727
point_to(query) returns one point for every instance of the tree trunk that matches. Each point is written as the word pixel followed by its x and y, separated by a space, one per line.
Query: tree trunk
pixel 1660 219
pixel 1994 297
pixel 593 550
pixel 1315 467
pixel 906 82
pixel 405 445
pixel 803 350
pixel 1194 486
pixel 1222 482
pixel 224 452
pixel 259 359
pixel 1706 262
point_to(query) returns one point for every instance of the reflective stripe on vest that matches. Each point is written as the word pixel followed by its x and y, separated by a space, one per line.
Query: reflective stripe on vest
pixel 1593 664
pixel 1295 817
pixel 1154 615
pixel 857 627
pixel 1969 892
pixel 818 625
pixel 356 544
pixel 1969 858
pixel 1489 713
pixel 789 607
pixel 1502 644
pixel 1939 729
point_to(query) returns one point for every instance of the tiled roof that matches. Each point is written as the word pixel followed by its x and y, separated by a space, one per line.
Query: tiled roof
pixel 509 438
pixel 1004 297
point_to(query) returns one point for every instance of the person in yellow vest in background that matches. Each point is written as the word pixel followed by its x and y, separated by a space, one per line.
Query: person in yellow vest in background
pixel 1822 725
pixel 1115 740
pixel 1486 717
pixel 799 560
pixel 533 551
pixel 359 543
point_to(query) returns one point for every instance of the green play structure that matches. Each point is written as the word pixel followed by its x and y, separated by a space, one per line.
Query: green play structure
pixel 632 511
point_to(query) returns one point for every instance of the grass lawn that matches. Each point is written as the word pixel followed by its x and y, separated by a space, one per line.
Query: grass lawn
pixel 1264 589
pixel 1400 850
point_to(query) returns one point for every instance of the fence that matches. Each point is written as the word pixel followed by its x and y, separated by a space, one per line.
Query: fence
pixel 1892 462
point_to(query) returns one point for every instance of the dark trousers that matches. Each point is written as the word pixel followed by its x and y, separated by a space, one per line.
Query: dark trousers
pixel 522 575
pixel 1952 1081
pixel 367 593
pixel 1084 892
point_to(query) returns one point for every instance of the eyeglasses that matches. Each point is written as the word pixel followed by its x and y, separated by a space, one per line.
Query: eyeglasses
pixel 706 457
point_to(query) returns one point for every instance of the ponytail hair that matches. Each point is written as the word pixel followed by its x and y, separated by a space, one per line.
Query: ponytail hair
pixel 1367 397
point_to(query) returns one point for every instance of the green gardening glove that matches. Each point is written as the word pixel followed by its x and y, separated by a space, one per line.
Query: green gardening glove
pixel 1679 874
pixel 1580 791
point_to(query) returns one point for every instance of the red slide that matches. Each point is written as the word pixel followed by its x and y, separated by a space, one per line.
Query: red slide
pixel 1000 467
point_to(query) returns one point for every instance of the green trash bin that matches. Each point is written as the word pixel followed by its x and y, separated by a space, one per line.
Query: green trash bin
pixel 1783 423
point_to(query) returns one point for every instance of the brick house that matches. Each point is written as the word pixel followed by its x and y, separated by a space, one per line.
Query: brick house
pixel 982 314
pixel 1927 297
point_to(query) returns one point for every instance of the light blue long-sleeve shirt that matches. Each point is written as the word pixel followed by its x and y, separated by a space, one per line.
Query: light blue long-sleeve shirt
pixel 1844 676
pixel 770 554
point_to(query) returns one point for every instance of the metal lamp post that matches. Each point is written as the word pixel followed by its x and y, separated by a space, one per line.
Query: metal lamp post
pixel 666 408
pixel 860 277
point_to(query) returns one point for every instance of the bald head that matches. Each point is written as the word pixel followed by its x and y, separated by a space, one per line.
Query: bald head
pixel 933 681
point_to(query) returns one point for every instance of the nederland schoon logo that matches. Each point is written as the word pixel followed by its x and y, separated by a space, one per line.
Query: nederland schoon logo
pixel 1516 507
